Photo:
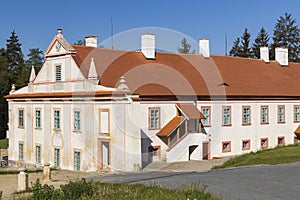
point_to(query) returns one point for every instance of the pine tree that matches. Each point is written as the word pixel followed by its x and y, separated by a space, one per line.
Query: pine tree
pixel 185 47
pixel 80 43
pixel 236 48
pixel 4 89
pixel 262 40
pixel 286 34
pixel 245 45
pixel 19 72
pixel 35 58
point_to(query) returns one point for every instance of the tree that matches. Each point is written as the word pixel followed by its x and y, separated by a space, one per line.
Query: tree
pixel 185 47
pixel 262 40
pixel 286 34
pixel 19 73
pixel 80 43
pixel 35 58
pixel 245 45
pixel 236 48
pixel 4 89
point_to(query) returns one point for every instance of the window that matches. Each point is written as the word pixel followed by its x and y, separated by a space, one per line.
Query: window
pixel 226 147
pixel 77 160
pixel 58 73
pixel 245 144
pixel 56 119
pixel 280 141
pixel 206 112
pixel 264 143
pixel 296 113
pixel 281 113
pixel 264 115
pixel 21 118
pixel 104 121
pixel 77 120
pixel 38 119
pixel 226 116
pixel 154 118
pixel 21 151
pixel 246 115
pixel 56 157
pixel 38 154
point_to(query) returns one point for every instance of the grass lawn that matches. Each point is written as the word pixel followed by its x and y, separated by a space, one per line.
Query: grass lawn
pixel 278 155
pixel 97 190
pixel 4 144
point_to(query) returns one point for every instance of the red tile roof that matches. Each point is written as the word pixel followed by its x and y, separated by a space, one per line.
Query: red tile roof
pixel 180 74
pixel 170 126
pixel 190 111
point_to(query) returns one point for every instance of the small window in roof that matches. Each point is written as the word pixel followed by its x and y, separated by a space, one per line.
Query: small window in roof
pixel 223 84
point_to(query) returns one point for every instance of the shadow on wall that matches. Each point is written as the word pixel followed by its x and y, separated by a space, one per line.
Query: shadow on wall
pixel 145 143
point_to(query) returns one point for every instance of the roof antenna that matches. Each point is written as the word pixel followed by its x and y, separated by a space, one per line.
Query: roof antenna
pixel 225 44
pixel 112 33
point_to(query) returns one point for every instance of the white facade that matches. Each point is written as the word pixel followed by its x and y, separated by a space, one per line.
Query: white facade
pixel 112 130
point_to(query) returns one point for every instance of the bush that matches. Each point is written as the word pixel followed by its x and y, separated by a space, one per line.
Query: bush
pixel 4 144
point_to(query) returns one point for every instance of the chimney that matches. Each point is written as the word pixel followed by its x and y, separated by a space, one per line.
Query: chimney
pixel 148 45
pixel 281 56
pixel 91 41
pixel 204 47
pixel 264 54
pixel 59 32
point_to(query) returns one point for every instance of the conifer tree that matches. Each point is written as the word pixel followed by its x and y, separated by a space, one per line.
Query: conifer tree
pixel 4 90
pixel 185 47
pixel 236 48
pixel 35 58
pixel 262 40
pixel 286 34
pixel 245 45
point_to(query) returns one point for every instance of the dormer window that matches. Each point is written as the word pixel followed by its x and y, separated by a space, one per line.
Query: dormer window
pixel 58 73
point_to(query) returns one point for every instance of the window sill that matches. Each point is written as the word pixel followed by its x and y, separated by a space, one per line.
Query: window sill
pixel 280 122
pixel 207 126
pixel 57 130
pixel 246 124
pixel 263 147
pixel 21 127
pixel 153 129
pixel 265 123
pixel 226 125
pixel 78 132
pixel 38 129
pixel 245 149
pixel 226 151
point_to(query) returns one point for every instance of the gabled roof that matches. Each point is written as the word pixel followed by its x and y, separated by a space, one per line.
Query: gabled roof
pixel 185 74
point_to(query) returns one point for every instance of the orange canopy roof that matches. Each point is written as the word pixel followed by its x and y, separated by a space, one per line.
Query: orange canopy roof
pixel 170 127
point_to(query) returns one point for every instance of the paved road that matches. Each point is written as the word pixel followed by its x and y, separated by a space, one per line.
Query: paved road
pixel 257 182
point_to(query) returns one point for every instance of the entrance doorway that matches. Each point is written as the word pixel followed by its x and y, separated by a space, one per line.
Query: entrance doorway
pixel 191 150
pixel 205 150
pixel 103 154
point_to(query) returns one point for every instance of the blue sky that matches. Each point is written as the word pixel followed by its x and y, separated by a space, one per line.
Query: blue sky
pixel 36 22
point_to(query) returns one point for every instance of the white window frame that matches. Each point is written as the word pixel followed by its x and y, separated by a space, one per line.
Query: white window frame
pixel 77 120
pixel 38 152
pixel 154 118
pixel 77 159
pixel 281 114
pixel 56 157
pixel 38 120
pixel 58 73
pixel 21 151
pixel 226 112
pixel 206 110
pixel 21 117
pixel 57 119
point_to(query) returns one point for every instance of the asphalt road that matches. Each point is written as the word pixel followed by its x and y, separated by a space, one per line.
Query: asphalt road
pixel 256 182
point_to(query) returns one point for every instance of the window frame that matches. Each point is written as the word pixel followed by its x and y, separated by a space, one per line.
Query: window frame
pixel 100 122
pixel 60 74
pixel 38 120
pixel 267 143
pixel 38 157
pixel 229 148
pixel 278 114
pixel 21 120
pixel 209 115
pixel 56 157
pixel 55 125
pixel 223 117
pixel 149 118
pixel 77 122
pixel 74 159
pixel 243 116
pixel 261 114
pixel 248 146
pixel 21 153
pixel 283 140
pixel 295 120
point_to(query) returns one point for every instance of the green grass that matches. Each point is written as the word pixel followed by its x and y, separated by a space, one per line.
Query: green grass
pixel 97 190
pixel 4 144
pixel 277 155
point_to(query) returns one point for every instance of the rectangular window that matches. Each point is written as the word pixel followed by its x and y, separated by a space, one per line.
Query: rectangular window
pixel 38 154
pixel 21 151
pixel 154 118
pixel 38 119
pixel 264 143
pixel 264 115
pixel 226 116
pixel 77 160
pixel 21 118
pixel 297 113
pixel 58 73
pixel 56 119
pixel 77 120
pixel 280 141
pixel 206 112
pixel 226 147
pixel 245 144
pixel 281 114
pixel 104 119
pixel 246 115
pixel 56 157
